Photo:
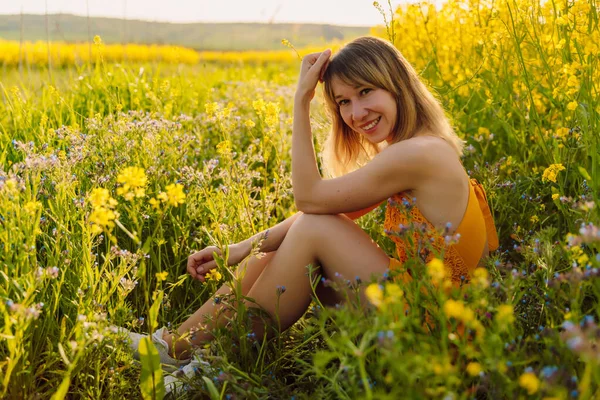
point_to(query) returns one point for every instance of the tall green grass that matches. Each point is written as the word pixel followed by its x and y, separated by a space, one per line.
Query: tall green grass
pixel 530 323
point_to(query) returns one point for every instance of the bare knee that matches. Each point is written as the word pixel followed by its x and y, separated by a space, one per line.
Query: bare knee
pixel 250 270
pixel 311 225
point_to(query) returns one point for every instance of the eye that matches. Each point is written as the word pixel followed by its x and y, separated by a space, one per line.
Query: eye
pixel 365 91
pixel 342 102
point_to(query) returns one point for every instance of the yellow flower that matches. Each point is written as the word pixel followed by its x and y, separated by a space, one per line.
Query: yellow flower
pixel 97 40
pixel 155 203
pixel 551 172
pixel 562 20
pixel 161 276
pixel 481 277
pixel 393 292
pixel 272 114
pixel 259 106
pixel 435 269
pixel 572 106
pixel 11 186
pixel 458 310
pixel 529 382
pixel 249 123
pixel 578 254
pixel 224 148
pixel 443 368
pixel 454 308
pixel 162 196
pixel 226 111
pixel 505 315
pixel 555 196
pixel 133 180
pixel 474 368
pixel 31 207
pixel 213 275
pixel 375 294
pixel 485 132
pixel 100 198
pixel 534 219
pixel 175 194
pixel 573 81
pixel 211 108
pixel 562 132
pixel 102 218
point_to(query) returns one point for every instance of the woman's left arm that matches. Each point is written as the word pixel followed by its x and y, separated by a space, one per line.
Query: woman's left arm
pixel 305 173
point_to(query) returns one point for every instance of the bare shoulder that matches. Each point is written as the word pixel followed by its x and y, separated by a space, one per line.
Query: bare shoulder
pixel 427 151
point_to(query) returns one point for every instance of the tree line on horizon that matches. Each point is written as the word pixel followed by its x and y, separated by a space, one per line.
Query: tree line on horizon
pixel 198 36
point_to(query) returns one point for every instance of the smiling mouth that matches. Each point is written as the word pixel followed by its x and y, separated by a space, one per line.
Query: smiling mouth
pixel 370 126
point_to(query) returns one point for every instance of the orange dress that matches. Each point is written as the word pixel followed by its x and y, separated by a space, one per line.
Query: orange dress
pixel 460 258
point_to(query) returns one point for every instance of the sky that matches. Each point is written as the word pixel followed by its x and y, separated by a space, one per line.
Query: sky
pixel 335 12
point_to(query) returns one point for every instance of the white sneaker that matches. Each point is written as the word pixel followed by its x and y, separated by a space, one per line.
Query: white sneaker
pixel 169 363
pixel 175 383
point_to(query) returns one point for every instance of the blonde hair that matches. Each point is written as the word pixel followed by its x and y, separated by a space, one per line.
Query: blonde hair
pixel 369 61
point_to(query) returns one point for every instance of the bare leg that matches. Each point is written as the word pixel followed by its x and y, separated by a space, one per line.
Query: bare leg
pixel 335 243
pixel 252 268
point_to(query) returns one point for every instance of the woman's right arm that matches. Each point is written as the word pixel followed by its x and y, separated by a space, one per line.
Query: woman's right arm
pixel 202 261
pixel 275 235
pixel 199 263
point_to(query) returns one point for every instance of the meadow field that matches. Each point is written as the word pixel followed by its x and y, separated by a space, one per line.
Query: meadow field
pixel 116 168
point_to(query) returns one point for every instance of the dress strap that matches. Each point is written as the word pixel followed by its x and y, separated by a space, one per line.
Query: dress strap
pixel 490 227
pixel 472 236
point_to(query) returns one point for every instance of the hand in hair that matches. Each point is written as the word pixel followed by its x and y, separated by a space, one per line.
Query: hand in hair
pixel 311 72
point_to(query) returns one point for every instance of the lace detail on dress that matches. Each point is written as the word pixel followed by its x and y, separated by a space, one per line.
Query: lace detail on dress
pixel 400 213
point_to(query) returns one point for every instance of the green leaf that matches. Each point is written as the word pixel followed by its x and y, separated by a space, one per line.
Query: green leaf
pixel 61 351
pixel 152 385
pixel 584 173
pixel 153 312
pixel 322 358
pixel 61 392
pixel 214 393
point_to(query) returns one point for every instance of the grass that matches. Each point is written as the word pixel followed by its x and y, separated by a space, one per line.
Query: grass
pixel 73 263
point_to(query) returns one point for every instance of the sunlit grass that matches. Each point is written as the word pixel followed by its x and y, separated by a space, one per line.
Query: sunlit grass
pixel 113 173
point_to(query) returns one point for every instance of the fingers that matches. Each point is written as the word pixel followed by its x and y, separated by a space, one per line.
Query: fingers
pixel 207 266
pixel 316 59
pixel 191 266
pixel 192 271
pixel 321 64
pixel 199 263
pixel 323 59
pixel 323 71
pixel 194 260
pixel 197 259
pixel 311 58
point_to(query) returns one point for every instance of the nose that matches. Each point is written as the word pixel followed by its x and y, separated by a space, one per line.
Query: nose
pixel 358 111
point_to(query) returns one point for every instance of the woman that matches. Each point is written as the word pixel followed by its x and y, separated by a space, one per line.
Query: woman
pixel 390 139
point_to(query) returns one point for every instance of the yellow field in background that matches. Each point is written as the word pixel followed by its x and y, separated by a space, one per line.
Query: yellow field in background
pixel 61 54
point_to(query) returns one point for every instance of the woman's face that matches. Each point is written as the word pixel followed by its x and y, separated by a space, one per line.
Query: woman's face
pixel 368 110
